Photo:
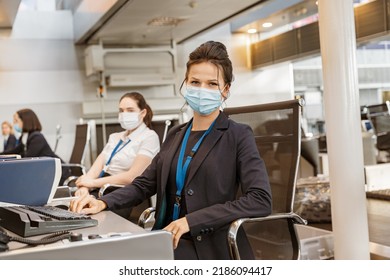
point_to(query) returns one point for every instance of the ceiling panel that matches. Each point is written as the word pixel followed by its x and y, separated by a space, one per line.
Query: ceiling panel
pixel 8 10
pixel 129 25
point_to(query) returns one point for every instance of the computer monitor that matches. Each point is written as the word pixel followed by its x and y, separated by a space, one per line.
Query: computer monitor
pixel 29 181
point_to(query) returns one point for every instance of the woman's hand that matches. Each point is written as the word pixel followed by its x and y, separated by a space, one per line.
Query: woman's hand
pixel 87 205
pixel 86 182
pixel 81 192
pixel 178 228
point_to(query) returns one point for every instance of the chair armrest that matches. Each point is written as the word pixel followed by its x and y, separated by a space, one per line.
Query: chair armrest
pixel 69 180
pixel 82 167
pixel 235 226
pixel 146 216
pixel 107 188
pixel 68 183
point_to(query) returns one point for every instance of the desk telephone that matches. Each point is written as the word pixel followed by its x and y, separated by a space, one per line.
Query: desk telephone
pixel 35 220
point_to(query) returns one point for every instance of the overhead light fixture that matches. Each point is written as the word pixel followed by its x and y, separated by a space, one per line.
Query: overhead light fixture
pixel 165 21
pixel 252 30
pixel 267 24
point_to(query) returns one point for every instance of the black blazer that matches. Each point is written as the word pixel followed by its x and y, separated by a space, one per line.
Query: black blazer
pixel 227 159
pixel 10 144
pixel 36 146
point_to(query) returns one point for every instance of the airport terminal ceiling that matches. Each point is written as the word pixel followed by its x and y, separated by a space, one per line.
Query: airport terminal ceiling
pixel 151 22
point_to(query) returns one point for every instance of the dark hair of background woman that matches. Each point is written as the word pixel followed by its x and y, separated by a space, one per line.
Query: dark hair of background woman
pixel 30 120
pixel 140 100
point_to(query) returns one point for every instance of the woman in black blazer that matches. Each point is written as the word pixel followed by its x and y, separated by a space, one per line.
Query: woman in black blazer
pixel 9 137
pixel 200 168
pixel 26 121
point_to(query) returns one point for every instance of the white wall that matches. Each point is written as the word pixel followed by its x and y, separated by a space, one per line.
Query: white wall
pixel 42 69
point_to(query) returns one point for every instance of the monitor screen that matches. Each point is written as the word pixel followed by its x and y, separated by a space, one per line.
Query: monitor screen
pixel 367 126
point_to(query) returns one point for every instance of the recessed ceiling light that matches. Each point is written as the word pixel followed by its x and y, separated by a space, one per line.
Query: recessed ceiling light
pixel 267 24
pixel 252 30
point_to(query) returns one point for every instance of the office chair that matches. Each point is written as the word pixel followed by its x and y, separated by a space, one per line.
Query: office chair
pixel 379 115
pixel 276 128
pixel 310 151
pixel 75 167
pixel 277 131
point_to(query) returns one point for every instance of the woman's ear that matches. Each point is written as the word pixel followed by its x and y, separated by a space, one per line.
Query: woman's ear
pixel 143 113
pixel 226 92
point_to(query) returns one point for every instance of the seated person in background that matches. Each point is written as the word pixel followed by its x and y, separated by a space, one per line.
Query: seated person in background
pixel 200 168
pixel 31 143
pixel 127 153
pixel 9 137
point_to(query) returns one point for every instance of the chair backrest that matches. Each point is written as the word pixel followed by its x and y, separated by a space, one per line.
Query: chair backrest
pixel 82 138
pixel 276 128
pixel 162 126
pixel 379 115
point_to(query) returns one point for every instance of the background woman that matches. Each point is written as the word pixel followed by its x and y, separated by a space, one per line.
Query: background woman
pixel 31 143
pixel 127 153
pixel 9 137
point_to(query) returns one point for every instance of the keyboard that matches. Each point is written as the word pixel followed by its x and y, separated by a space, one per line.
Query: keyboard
pixel 35 220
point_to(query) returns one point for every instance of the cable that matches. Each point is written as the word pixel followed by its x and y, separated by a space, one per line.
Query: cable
pixel 5 239
pixel 45 240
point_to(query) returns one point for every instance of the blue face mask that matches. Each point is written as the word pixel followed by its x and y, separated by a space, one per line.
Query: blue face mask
pixel 17 128
pixel 203 100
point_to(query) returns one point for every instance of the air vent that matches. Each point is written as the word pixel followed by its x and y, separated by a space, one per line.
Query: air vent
pixel 285 45
pixel 374 75
pixel 370 19
pixel 307 77
pixel 388 14
pixel 309 38
pixel 262 53
pixel 134 80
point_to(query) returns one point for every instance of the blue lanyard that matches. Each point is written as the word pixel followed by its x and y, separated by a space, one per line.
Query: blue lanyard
pixel 114 152
pixel 181 170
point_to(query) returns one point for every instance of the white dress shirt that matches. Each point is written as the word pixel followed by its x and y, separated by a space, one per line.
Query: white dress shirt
pixel 143 141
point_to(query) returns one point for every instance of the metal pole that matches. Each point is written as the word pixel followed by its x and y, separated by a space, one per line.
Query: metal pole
pixel 101 92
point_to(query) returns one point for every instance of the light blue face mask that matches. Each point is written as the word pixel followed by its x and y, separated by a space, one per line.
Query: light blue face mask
pixel 17 128
pixel 203 100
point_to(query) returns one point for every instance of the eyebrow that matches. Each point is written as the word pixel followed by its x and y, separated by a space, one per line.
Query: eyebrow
pixel 127 108
pixel 212 80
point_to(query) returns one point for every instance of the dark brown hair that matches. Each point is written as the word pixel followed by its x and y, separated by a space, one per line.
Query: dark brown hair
pixel 215 53
pixel 140 100
pixel 30 120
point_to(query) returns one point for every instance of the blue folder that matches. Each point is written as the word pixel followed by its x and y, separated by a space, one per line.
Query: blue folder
pixel 29 181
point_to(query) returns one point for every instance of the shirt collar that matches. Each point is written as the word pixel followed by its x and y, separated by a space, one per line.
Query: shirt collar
pixel 138 131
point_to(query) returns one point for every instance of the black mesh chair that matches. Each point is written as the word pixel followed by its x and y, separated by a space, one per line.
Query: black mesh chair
pixel 75 167
pixel 277 132
pixel 379 115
